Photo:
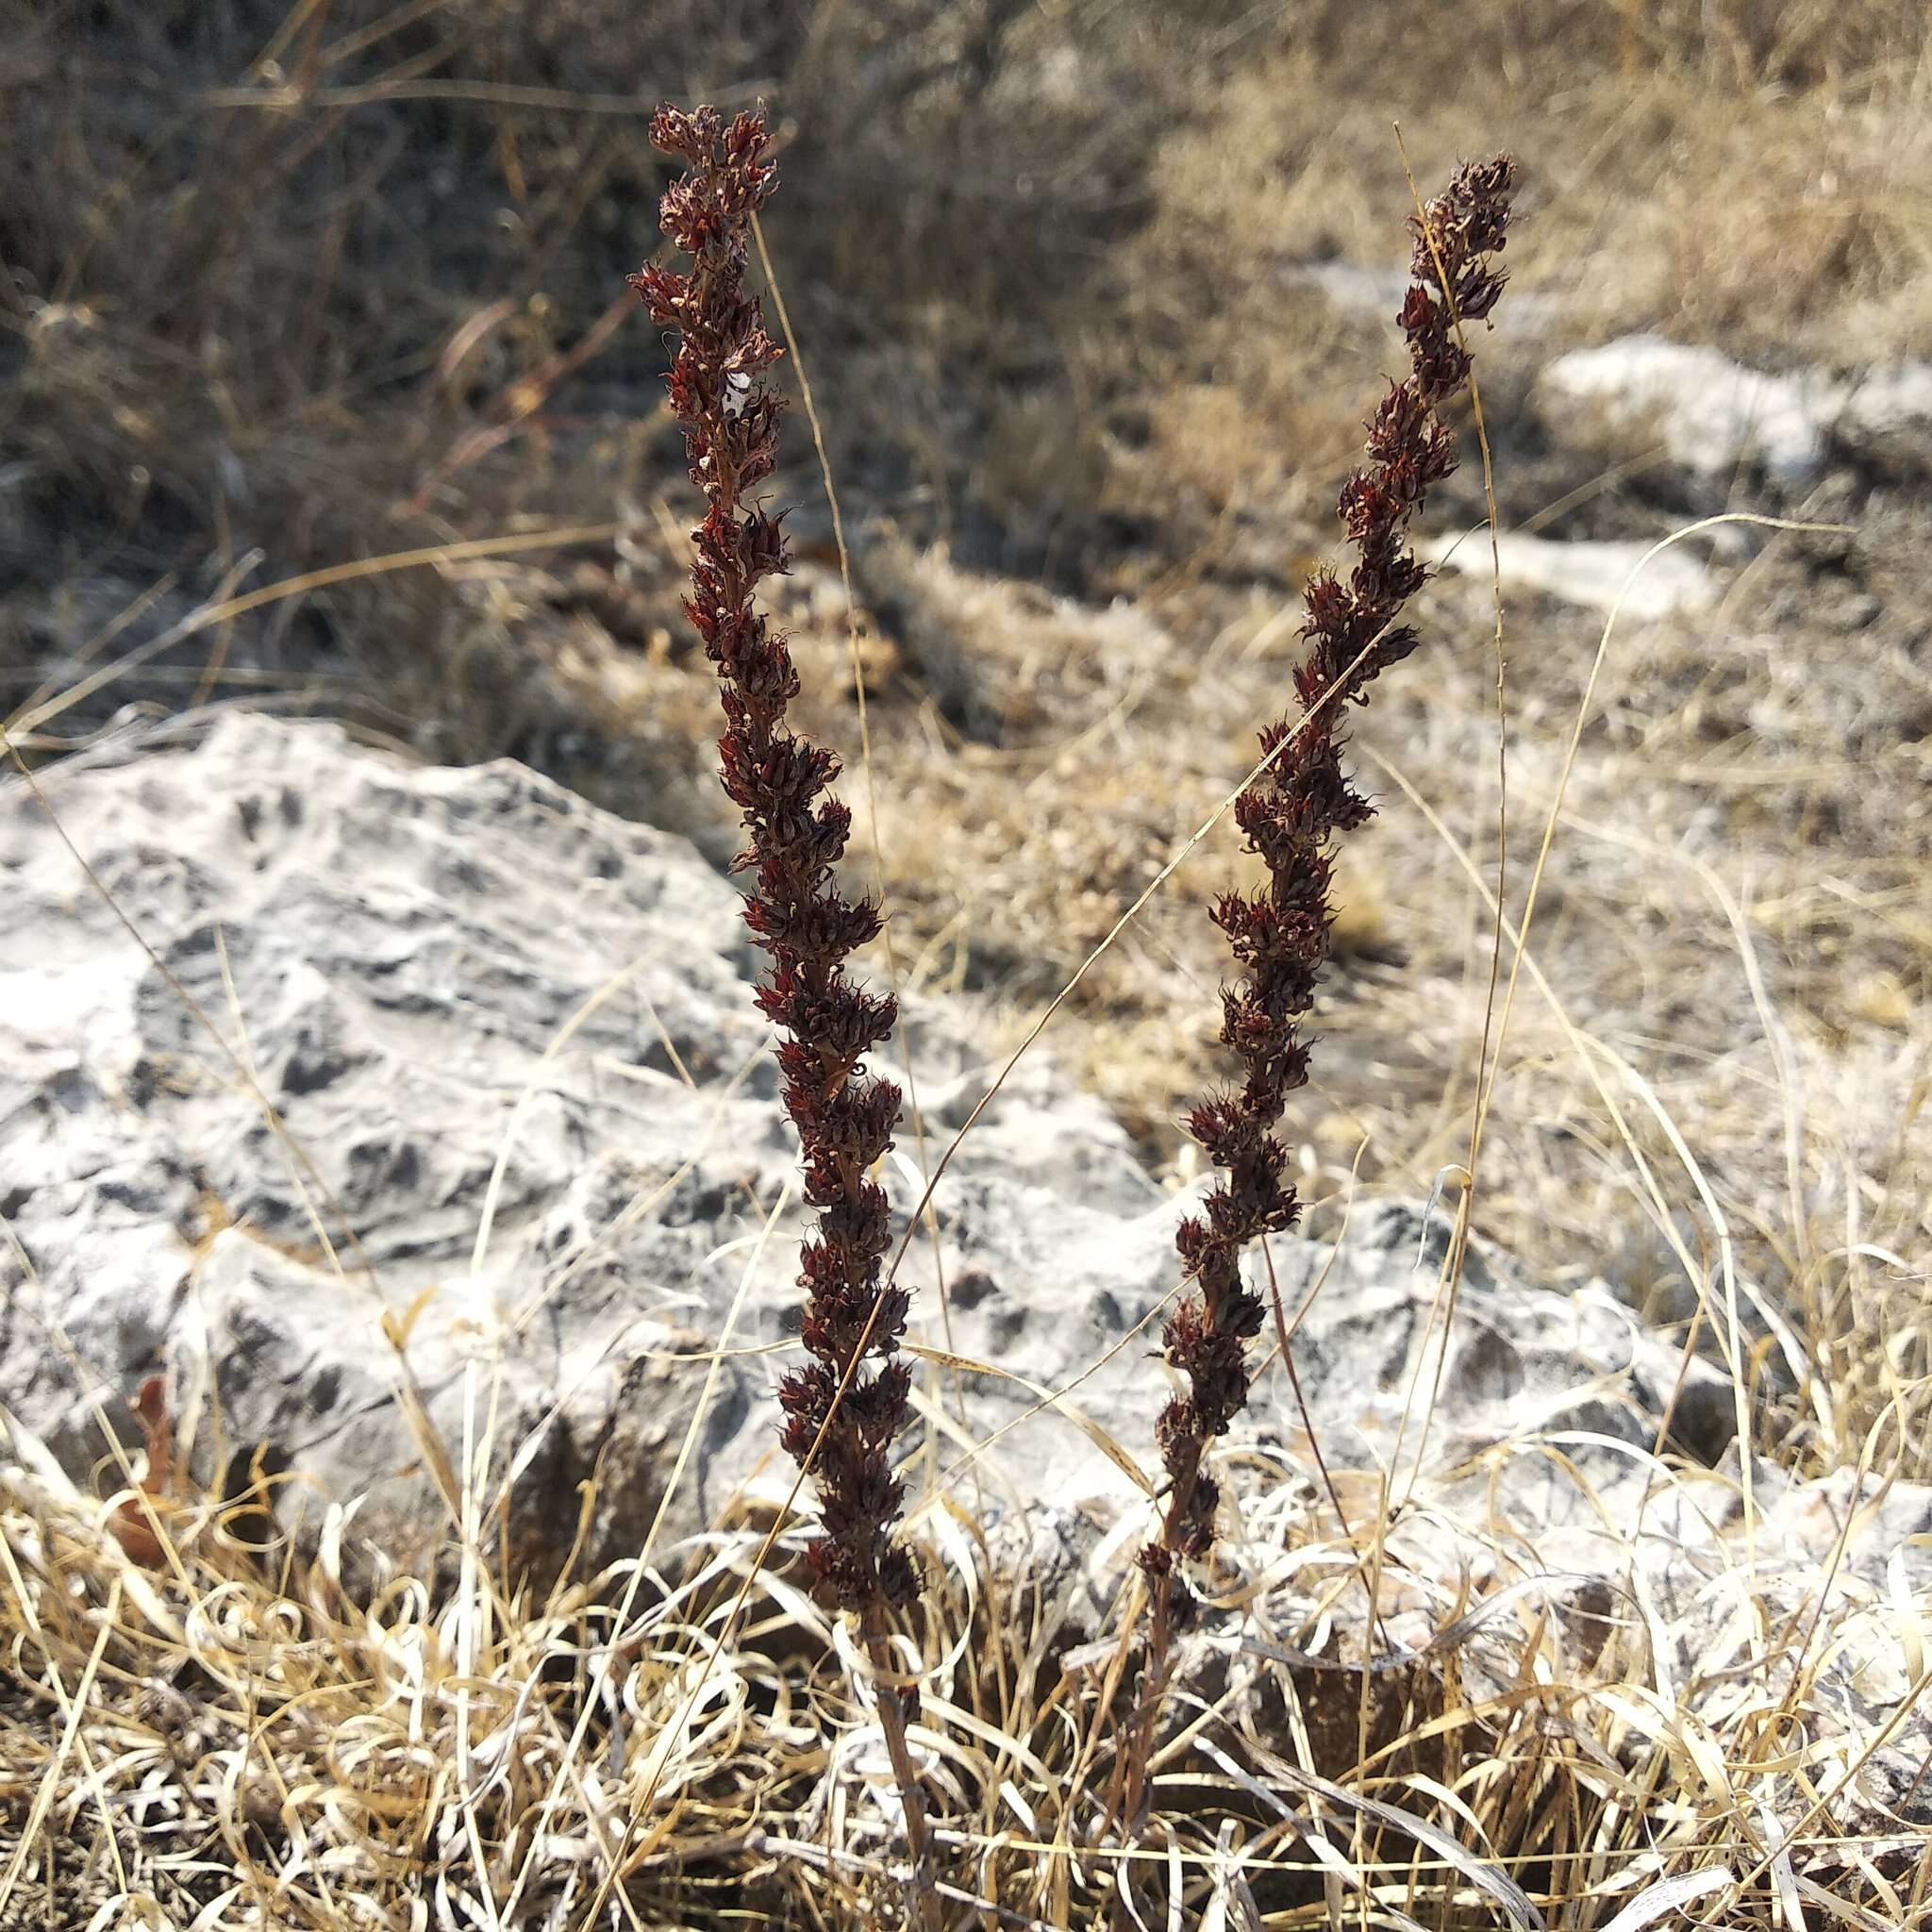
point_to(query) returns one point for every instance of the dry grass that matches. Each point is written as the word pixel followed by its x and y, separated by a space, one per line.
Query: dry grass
pixel 200 1742
pixel 1716 1074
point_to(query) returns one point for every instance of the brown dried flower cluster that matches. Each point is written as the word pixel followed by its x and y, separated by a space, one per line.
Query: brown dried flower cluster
pixel 797 834
pixel 1289 815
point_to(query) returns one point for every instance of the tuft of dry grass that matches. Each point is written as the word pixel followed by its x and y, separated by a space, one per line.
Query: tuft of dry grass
pixel 202 1743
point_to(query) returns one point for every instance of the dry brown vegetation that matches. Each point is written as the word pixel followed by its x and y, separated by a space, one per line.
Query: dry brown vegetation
pixel 316 288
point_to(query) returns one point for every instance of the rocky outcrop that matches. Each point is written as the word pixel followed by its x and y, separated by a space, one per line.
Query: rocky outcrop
pixel 427 1126
pixel 1635 581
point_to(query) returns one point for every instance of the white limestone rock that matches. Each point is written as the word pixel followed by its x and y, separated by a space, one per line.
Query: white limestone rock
pixel 1717 417
pixel 467 996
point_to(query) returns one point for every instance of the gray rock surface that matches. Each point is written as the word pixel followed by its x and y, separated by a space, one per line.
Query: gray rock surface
pixel 1597 575
pixel 1716 417
pixel 487 1153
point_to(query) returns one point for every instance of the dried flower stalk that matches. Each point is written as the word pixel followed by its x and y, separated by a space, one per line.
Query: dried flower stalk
pixel 1279 934
pixel 841 1412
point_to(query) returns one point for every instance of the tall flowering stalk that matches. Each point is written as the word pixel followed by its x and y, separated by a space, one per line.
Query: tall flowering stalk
pixel 1279 935
pixel 850 1401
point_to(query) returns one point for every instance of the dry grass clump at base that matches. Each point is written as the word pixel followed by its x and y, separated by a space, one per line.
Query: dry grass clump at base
pixel 212 1743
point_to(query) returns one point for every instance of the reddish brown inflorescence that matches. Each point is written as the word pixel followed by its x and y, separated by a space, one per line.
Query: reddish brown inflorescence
pixel 796 837
pixel 1289 815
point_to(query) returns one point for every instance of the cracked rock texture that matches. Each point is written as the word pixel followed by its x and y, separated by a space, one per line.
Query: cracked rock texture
pixel 436 1131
